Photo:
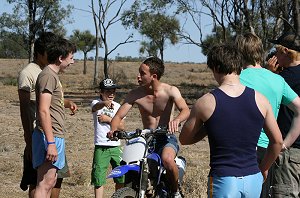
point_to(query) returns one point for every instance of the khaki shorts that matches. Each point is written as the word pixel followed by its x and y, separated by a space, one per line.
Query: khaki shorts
pixel 286 174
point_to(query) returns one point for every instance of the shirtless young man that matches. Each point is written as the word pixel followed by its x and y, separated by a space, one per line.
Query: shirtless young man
pixel 155 101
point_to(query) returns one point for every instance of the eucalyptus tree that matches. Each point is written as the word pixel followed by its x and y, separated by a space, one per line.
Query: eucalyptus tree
pixel 152 20
pixel 30 17
pixel 265 18
pixel 85 42
pixel 105 15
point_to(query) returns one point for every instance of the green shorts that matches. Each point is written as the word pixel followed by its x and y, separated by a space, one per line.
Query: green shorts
pixel 103 156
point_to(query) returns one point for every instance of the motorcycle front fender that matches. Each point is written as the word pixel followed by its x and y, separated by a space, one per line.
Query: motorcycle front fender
pixel 122 170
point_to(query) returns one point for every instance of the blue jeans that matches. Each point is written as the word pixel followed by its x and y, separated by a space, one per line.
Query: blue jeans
pixel 235 187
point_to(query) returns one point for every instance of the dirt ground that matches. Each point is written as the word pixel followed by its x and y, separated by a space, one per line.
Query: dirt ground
pixel 192 79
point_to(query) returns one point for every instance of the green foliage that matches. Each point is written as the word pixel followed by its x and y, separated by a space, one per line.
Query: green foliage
pixel 84 41
pixel 30 17
pixel 128 59
pixel 216 37
pixel 11 81
pixel 12 45
pixel 151 20
pixel 148 48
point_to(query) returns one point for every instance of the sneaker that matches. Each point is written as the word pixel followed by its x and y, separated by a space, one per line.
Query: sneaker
pixel 176 195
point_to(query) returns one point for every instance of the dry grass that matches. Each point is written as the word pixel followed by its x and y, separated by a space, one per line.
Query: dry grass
pixel 192 79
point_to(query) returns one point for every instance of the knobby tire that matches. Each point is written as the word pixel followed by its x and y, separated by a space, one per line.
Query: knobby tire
pixel 125 193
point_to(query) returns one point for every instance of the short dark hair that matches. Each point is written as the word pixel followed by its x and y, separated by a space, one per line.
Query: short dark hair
pixel 42 42
pixel 62 47
pixel 156 66
pixel 225 59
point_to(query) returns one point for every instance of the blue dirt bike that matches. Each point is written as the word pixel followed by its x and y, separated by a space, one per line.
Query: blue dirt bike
pixel 144 173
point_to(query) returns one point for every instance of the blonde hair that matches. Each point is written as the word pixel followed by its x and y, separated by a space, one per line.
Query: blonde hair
pixel 293 54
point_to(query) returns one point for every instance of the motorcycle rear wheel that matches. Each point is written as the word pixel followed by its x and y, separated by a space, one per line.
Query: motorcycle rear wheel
pixel 125 193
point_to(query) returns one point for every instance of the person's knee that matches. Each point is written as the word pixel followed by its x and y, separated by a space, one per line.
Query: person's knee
pixel 47 182
pixel 50 182
pixel 168 162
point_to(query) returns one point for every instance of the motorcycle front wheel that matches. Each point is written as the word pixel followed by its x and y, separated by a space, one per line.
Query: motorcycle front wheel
pixel 125 193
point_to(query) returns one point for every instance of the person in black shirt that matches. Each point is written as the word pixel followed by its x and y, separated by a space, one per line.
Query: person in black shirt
pixel 286 172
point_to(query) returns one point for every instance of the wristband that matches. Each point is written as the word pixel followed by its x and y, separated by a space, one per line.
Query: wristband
pixel 50 143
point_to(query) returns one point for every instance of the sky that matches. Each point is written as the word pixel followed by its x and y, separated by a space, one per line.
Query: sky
pixel 83 20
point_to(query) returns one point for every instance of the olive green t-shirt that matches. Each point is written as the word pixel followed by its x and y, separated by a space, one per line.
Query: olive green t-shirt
pixel 48 81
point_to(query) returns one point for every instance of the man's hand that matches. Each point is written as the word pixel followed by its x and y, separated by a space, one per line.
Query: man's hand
pixel 51 153
pixel 110 134
pixel 265 174
pixel 73 108
pixel 173 126
pixel 273 64
pixel 102 118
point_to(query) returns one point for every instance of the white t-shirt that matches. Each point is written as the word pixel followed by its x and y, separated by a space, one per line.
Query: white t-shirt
pixel 101 129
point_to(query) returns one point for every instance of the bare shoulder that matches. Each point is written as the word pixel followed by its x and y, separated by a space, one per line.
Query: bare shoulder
pixel 206 101
pixel 260 98
pixel 134 95
pixel 170 89
pixel 204 107
pixel 262 103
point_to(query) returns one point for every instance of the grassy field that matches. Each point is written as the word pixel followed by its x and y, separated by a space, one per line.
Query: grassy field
pixel 193 80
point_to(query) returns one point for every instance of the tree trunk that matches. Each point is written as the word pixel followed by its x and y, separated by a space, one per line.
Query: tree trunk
pixel 105 64
pixel 96 67
pixel 84 63
pixel 286 25
pixel 296 15
pixel 161 51
pixel 31 36
pixel 105 61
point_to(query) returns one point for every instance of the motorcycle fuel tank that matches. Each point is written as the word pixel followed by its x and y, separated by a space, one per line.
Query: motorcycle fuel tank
pixel 134 150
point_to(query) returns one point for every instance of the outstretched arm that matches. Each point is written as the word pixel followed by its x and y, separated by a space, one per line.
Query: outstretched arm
pixel 181 105
pixel 193 129
pixel 121 113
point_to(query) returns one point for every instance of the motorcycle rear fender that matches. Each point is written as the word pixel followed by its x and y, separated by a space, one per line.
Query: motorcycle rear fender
pixel 122 170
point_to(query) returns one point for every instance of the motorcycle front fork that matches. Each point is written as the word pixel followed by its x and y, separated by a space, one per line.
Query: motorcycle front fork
pixel 144 178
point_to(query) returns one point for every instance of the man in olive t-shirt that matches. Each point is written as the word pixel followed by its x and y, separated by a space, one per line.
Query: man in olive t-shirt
pixel 48 144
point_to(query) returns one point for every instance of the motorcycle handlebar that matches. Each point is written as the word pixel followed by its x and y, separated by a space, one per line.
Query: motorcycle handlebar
pixel 140 132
